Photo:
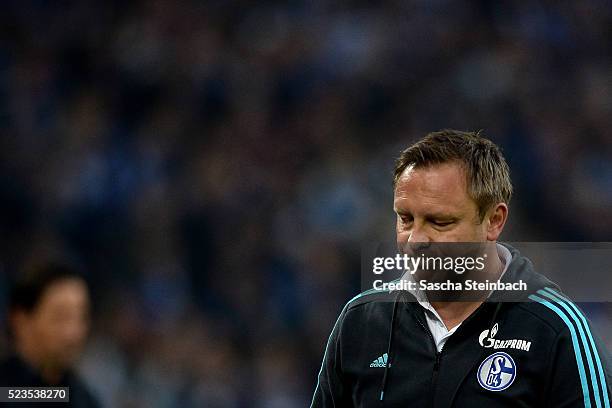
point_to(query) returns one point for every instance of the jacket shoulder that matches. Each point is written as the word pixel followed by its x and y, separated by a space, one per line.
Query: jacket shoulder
pixel 368 297
pixel 554 309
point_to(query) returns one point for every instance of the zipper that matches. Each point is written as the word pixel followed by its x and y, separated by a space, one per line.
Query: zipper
pixel 438 355
pixel 436 368
pixel 434 377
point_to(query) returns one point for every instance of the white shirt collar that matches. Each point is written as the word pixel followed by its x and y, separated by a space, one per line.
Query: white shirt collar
pixel 504 255
pixel 435 323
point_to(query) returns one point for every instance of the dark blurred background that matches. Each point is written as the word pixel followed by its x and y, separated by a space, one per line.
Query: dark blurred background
pixel 216 165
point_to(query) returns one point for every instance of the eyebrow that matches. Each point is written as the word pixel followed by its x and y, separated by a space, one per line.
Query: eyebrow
pixel 441 216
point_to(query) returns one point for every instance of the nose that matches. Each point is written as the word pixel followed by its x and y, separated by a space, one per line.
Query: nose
pixel 418 236
pixel 417 240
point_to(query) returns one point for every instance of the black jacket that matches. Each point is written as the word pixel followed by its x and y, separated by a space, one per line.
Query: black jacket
pixel 539 352
pixel 15 372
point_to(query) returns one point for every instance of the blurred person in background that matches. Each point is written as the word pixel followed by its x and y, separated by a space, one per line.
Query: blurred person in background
pixel 48 324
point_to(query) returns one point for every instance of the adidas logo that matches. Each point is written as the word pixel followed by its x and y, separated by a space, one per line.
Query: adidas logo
pixel 380 361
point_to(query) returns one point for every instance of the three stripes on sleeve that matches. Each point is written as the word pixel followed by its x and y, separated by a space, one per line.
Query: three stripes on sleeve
pixel 583 344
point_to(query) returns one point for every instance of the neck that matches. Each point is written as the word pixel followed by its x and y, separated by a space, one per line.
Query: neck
pixel 454 313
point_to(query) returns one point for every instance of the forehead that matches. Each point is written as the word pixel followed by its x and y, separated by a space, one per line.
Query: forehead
pixel 65 292
pixel 442 187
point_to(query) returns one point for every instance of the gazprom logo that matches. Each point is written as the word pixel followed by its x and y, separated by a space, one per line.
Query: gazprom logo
pixel 497 372
pixel 487 340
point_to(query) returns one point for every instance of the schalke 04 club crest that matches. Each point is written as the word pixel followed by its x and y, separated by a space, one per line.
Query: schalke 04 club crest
pixel 497 372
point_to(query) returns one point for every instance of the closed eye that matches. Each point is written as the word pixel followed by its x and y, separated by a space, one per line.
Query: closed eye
pixel 442 223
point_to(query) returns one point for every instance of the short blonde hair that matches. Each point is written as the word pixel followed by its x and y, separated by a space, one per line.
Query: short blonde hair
pixel 488 175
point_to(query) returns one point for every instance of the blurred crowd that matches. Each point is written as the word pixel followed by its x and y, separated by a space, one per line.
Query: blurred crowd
pixel 216 166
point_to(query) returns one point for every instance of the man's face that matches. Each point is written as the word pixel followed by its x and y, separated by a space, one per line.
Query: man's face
pixel 57 328
pixel 432 205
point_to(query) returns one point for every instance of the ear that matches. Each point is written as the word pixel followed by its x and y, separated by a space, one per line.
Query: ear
pixel 495 220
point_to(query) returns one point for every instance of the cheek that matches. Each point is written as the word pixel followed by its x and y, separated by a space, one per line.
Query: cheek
pixel 402 240
pixel 80 331
pixel 402 235
pixel 73 330
pixel 471 233
pixel 59 332
pixel 47 332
